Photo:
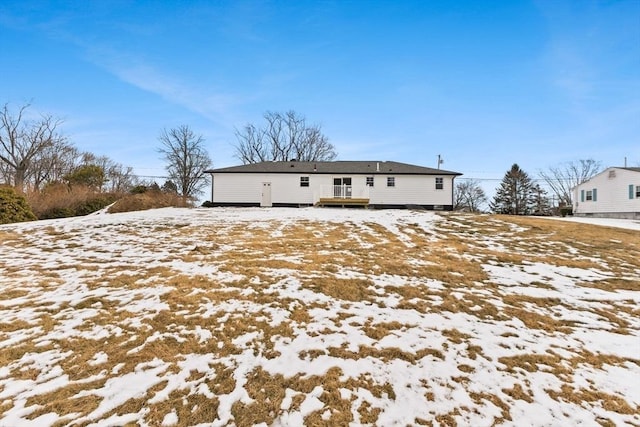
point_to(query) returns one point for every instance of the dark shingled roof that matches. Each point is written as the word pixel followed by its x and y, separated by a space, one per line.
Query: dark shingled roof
pixel 338 167
pixel 632 169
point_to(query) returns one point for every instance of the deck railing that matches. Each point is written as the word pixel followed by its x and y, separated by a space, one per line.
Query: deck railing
pixel 344 192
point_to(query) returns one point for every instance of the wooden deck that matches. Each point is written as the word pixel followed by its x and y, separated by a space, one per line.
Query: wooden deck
pixel 342 202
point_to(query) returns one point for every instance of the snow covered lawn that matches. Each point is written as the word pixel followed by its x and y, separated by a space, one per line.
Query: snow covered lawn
pixel 318 317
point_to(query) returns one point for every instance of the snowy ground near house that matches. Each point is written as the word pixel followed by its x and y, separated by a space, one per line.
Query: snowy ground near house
pixel 318 316
pixel 629 224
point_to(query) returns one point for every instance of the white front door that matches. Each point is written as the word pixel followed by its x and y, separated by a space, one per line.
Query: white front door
pixel 265 201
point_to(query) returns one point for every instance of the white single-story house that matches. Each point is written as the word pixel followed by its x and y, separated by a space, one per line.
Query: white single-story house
pixel 374 184
pixel 614 193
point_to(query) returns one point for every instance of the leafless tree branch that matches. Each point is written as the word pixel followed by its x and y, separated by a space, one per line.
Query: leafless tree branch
pixel 285 137
pixel 186 159
pixel 22 140
pixel 563 178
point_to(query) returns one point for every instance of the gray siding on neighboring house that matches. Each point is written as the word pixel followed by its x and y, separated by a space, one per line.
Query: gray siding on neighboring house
pixel 614 193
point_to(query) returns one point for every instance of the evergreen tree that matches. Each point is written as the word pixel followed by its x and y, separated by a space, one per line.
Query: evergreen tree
pixel 89 175
pixel 540 201
pixel 515 195
pixel 170 187
pixel 13 206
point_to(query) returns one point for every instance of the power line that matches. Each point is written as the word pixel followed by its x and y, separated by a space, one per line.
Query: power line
pixel 151 176
pixel 500 179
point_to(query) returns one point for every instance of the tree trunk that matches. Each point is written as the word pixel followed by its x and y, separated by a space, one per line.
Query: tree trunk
pixel 19 178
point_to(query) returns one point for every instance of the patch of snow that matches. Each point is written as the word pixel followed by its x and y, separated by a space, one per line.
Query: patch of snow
pixel 629 224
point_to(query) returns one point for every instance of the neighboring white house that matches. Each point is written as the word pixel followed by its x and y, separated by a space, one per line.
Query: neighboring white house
pixel 343 183
pixel 614 193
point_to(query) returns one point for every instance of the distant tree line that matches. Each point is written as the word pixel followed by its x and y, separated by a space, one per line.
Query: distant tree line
pixel 39 161
pixel 519 194
pixel 34 153
pixel 57 179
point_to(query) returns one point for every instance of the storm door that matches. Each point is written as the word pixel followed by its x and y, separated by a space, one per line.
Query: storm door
pixel 342 188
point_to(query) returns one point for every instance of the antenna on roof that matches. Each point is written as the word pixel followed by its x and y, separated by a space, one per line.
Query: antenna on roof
pixel 440 161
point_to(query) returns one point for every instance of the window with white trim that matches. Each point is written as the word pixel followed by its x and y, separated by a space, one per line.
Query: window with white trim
pixel 369 182
pixel 391 181
pixel 439 183
pixel 637 191
pixel 304 181
pixel 589 195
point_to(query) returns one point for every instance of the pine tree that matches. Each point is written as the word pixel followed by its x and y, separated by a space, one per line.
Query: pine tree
pixel 540 201
pixel 515 195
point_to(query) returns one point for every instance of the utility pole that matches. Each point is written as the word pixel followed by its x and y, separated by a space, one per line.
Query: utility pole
pixel 440 161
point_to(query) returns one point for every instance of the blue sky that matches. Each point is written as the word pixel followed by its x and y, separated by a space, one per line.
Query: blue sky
pixel 483 83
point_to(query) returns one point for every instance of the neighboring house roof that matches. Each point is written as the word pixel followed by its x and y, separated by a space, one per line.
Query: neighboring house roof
pixel 337 167
pixel 582 184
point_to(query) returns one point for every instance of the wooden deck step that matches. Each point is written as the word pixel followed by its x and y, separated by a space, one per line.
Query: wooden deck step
pixel 325 201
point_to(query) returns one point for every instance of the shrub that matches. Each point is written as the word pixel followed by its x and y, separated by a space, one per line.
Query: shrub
pixel 91 176
pixel 14 207
pixel 151 199
pixel 94 204
pixel 57 212
pixel 207 204
pixel 566 211
pixel 59 200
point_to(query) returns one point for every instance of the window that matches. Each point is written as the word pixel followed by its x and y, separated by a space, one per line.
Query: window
pixel 304 181
pixel 369 182
pixel 637 191
pixel 391 181
pixel 591 195
pixel 439 183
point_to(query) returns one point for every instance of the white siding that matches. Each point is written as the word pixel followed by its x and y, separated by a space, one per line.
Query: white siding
pixel 612 193
pixel 285 188
pixel 247 188
pixel 411 190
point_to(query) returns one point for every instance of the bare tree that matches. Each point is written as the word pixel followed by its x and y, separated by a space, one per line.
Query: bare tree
pixel 252 146
pixel 285 137
pixel 21 140
pixel 563 178
pixel 51 164
pixel 186 159
pixel 469 196
pixel 6 174
pixel 118 178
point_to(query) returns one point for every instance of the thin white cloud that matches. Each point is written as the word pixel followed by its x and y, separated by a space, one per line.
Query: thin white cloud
pixel 214 105
pixel 217 107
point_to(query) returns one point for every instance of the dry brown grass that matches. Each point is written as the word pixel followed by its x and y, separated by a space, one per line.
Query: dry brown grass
pixel 347 267
pixel 581 396
pixel 517 392
pixel 61 196
pixel 148 200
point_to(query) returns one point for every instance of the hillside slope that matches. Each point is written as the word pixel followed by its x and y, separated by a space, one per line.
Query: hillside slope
pixel 318 317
